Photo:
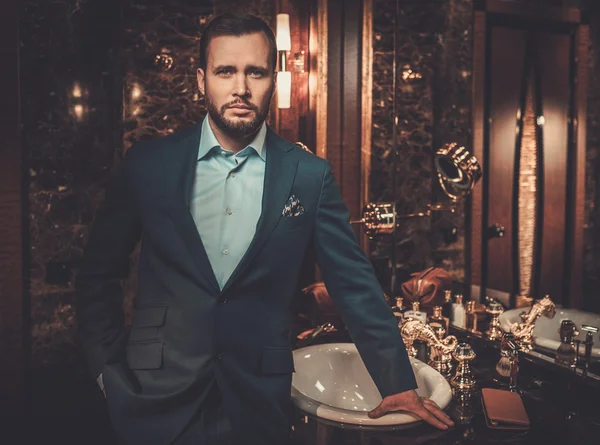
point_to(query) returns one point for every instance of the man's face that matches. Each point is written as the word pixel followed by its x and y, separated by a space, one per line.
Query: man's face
pixel 238 83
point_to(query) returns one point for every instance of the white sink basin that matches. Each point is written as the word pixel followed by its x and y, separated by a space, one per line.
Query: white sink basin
pixel 331 382
pixel 545 333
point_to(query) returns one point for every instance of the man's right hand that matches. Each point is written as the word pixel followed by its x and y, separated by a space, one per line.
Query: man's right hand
pixel 409 401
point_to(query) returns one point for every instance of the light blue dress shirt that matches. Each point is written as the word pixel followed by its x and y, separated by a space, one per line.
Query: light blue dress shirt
pixel 227 199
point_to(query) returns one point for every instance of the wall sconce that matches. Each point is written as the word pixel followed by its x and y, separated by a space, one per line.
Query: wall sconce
pixel 284 77
pixel 78 102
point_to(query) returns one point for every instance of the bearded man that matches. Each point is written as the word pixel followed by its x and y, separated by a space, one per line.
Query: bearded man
pixel 225 212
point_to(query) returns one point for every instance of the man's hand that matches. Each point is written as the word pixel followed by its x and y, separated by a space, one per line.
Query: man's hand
pixel 410 402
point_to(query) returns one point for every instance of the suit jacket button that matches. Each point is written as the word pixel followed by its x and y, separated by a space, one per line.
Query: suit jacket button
pixel 223 300
pixel 218 356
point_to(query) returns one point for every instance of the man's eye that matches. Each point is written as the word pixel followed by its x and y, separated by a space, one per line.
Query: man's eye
pixel 225 72
pixel 257 73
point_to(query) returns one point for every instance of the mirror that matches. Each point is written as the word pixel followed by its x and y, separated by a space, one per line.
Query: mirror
pixel 457 170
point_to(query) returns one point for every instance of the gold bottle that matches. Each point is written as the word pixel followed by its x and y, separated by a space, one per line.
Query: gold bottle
pixel 416 314
pixel 471 324
pixel 437 318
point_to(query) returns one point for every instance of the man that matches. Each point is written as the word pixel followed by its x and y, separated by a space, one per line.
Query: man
pixel 225 212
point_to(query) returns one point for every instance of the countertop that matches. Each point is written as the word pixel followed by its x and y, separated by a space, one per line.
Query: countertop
pixel 560 406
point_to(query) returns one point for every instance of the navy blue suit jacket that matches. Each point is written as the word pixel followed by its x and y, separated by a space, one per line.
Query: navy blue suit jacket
pixel 187 334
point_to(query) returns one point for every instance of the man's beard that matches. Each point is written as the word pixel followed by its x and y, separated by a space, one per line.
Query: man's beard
pixel 238 128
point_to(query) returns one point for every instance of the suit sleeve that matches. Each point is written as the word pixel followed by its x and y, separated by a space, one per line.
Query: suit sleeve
pixel 351 282
pixel 114 234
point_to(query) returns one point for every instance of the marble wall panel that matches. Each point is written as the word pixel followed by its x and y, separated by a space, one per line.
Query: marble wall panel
pixel 433 62
pixel 70 123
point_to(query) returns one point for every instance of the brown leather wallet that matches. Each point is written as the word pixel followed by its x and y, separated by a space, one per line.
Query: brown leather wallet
pixel 504 410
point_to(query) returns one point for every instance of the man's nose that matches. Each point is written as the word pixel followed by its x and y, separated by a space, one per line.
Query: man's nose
pixel 241 85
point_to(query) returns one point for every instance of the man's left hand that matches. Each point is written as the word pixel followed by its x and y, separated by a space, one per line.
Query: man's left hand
pixel 410 402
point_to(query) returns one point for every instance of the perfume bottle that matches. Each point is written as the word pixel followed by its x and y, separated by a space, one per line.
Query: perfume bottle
pixel 416 313
pixel 398 310
pixel 458 316
pixel 471 320
pixel 436 317
pixel 447 308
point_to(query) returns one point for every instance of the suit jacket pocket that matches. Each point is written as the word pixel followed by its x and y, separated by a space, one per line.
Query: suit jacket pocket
pixel 294 222
pixel 147 355
pixel 149 316
pixel 146 322
pixel 277 360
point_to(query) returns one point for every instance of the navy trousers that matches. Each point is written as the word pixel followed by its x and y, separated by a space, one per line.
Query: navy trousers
pixel 209 426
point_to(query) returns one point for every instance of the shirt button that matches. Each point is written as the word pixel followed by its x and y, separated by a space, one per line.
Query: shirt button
pixel 229 212
pixel 225 252
pixel 232 174
pixel 218 356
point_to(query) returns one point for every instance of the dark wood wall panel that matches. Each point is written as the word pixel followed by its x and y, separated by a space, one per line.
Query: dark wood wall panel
pixel 576 199
pixel 344 81
pixel 474 261
pixel 506 68
pixel 335 70
pixel 553 58
pixel 12 224
pixel 351 108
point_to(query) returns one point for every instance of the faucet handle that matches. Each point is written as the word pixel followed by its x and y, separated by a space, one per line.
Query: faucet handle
pixel 567 330
pixel 590 331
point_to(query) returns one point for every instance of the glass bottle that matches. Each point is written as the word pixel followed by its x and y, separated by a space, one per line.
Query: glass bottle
pixel 447 306
pixel 398 310
pixel 459 315
pixel 416 313
pixel 471 319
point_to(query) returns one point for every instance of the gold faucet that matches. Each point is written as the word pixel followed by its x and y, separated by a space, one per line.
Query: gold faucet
pixel 494 309
pixel 523 332
pixel 438 359
pixel 463 382
pixel 441 348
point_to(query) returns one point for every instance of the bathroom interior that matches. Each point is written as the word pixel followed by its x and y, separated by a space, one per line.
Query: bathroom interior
pixel 465 138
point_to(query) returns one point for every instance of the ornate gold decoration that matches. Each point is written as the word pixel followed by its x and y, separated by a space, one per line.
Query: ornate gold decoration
pixel 413 330
pixel 494 309
pixel 457 169
pixel 366 109
pixel 527 190
pixel 322 61
pixel 523 331
pixel 463 381
pixel 438 359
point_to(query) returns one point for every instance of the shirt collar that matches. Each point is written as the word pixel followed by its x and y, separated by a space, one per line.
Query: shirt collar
pixel 208 140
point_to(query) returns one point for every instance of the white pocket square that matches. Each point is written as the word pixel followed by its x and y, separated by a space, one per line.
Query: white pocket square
pixel 292 207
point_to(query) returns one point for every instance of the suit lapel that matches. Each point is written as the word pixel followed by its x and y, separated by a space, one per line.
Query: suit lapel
pixel 180 168
pixel 280 171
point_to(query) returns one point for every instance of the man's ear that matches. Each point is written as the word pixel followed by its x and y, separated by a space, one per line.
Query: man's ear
pixel 274 85
pixel 200 77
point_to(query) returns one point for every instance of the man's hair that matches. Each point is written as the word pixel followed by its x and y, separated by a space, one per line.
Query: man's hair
pixel 236 25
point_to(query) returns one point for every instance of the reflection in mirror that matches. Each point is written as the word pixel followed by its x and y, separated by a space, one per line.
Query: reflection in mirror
pixel 457 170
